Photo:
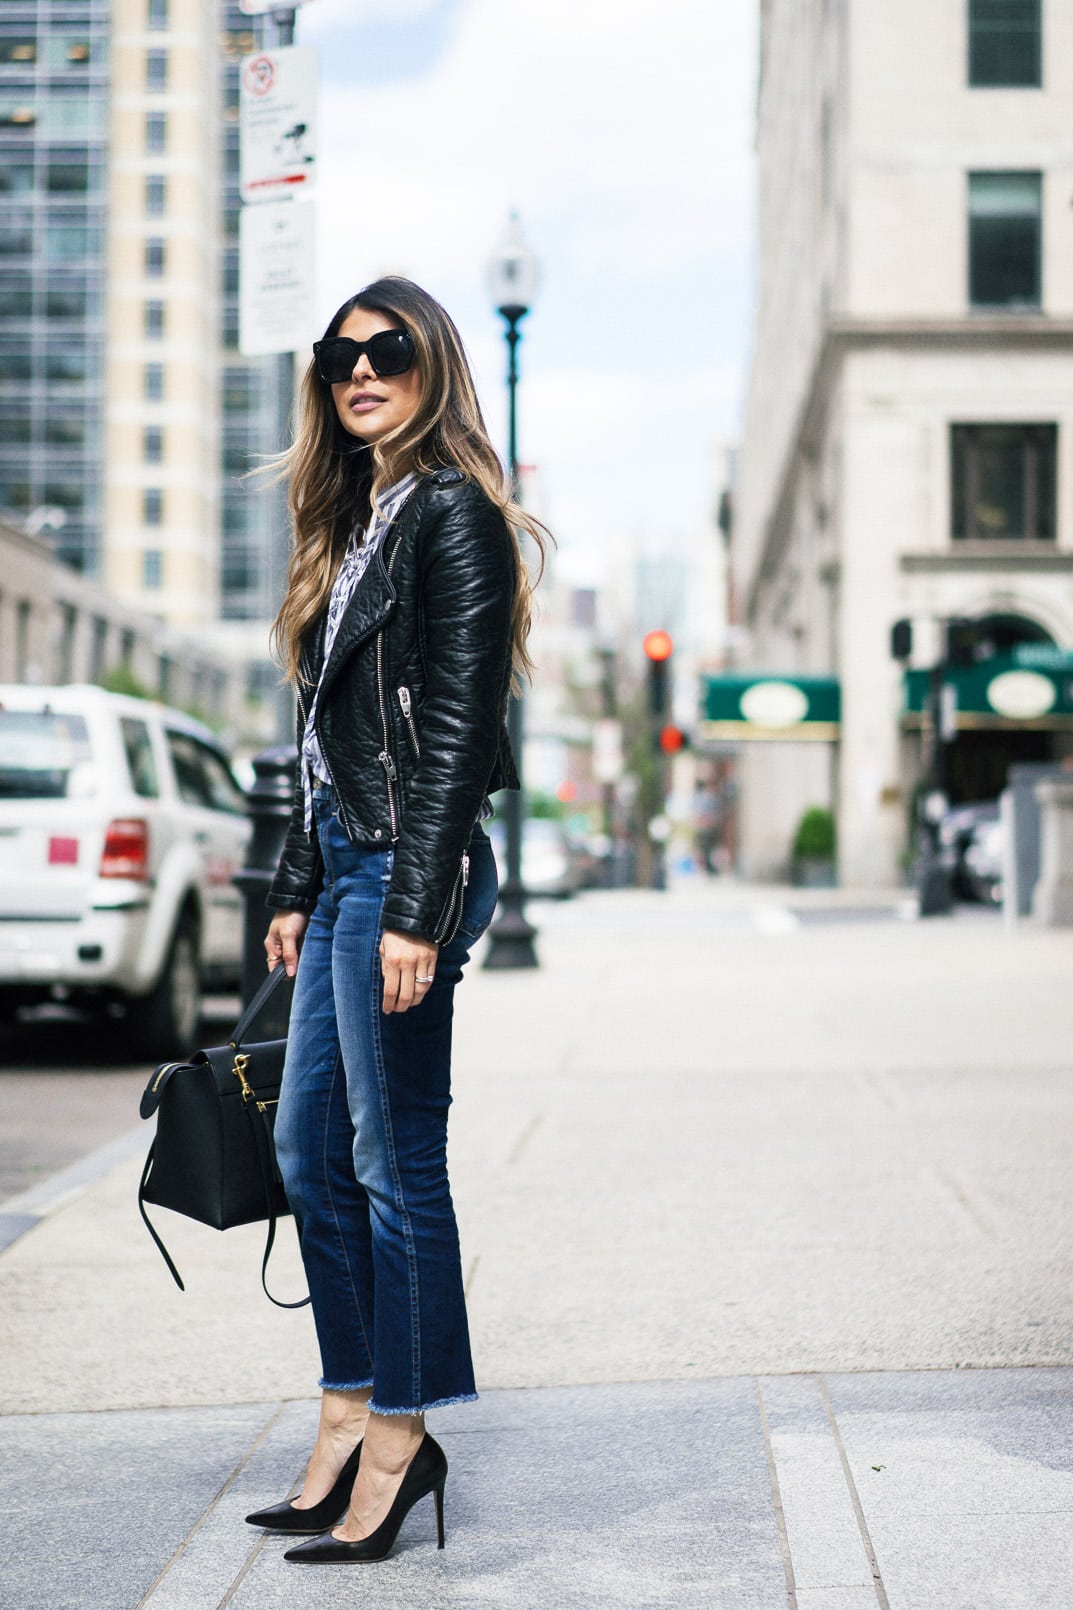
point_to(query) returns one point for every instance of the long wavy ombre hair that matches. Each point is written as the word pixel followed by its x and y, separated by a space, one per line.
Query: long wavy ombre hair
pixel 335 479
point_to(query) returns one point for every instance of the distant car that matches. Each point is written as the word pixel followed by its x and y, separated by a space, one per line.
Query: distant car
pixel 966 828
pixel 548 867
pixel 983 860
pixel 121 828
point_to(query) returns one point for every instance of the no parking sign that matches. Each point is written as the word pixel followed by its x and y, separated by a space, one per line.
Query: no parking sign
pixel 278 122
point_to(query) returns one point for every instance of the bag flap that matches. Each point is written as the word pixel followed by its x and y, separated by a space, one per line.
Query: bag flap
pixel 262 1065
pixel 159 1080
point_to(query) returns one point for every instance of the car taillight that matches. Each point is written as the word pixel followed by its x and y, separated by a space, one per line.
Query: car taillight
pixel 126 849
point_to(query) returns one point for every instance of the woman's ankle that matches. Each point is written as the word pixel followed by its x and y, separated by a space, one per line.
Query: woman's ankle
pixel 391 1440
pixel 343 1412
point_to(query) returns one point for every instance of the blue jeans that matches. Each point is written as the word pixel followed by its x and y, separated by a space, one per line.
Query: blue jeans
pixel 361 1136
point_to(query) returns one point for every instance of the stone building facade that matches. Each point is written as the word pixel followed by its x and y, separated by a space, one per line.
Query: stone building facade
pixel 908 444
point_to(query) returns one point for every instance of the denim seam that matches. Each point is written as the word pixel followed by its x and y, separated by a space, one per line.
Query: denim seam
pixel 321 819
pixel 400 1199
pixel 335 1213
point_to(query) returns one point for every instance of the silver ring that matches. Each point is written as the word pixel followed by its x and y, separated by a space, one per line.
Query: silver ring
pixel 423 980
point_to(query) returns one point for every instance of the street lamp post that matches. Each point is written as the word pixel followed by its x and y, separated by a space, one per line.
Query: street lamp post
pixel 513 275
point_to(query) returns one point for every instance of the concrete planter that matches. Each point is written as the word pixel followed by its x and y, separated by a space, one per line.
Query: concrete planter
pixel 811 872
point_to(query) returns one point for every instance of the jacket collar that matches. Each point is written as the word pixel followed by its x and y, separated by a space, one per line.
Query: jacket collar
pixel 371 606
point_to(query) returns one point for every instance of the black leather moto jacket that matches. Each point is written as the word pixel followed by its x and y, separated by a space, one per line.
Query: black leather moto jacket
pixel 411 716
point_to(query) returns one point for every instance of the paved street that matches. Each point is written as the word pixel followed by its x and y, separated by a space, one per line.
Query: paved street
pixel 766 1214
pixel 68 1085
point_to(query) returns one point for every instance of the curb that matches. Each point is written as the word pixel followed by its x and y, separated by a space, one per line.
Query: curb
pixel 21 1213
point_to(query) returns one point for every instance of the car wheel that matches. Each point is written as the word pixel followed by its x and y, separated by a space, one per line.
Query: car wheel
pixel 164 1022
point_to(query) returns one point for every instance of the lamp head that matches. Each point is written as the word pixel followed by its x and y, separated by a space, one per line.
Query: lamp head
pixel 513 273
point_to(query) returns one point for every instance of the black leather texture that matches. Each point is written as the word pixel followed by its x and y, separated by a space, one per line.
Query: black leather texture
pixel 411 715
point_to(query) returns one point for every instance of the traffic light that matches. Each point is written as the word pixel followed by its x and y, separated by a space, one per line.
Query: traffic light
pixel 672 740
pixel 658 647
pixel 901 640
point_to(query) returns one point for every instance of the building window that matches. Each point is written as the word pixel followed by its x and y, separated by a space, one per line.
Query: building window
pixel 64 51
pixel 67 178
pixel 152 506
pixel 155 257
pixel 156 196
pixel 153 444
pixel 1003 482
pixel 18 111
pixel 156 131
pixel 64 432
pixel 153 382
pixel 156 69
pixel 1005 239
pixel 154 321
pixel 17 174
pixel 14 430
pixel 1005 44
pixel 68 363
pixel 156 14
pixel 18 51
pixel 65 302
pixel 152 568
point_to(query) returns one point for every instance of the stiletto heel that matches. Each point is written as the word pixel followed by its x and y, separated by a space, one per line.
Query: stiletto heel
pixel 426 1473
pixel 292 1522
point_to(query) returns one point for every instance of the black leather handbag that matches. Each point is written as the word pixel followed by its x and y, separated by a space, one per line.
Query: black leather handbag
pixel 214 1158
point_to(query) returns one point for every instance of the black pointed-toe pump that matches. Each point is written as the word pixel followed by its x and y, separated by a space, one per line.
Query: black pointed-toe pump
pixel 292 1522
pixel 426 1473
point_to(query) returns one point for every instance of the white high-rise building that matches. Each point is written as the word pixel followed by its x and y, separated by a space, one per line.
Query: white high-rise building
pixel 161 547
pixel 908 449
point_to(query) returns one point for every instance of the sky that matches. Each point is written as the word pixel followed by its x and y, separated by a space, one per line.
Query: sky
pixel 621 131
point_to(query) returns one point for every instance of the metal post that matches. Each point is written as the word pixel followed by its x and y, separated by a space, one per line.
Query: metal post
pixel 268 805
pixel 933 878
pixel 510 938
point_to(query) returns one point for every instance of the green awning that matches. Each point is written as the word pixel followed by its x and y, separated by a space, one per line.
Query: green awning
pixel 1005 691
pixel 752 707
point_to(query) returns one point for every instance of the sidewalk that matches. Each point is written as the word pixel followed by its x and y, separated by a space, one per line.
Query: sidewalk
pixel 766 1214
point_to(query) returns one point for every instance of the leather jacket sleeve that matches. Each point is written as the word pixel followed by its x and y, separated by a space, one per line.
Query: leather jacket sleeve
pixel 467 595
pixel 300 874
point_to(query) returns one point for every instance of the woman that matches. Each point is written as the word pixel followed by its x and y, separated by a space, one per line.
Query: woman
pixel 405 619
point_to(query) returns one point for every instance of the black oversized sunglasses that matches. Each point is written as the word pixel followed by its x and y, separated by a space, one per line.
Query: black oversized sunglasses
pixel 391 352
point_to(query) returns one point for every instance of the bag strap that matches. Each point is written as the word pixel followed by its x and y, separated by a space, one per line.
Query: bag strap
pixel 267 988
pixel 264 1157
pixel 161 1248
pixel 161 1075
pixel 262 1140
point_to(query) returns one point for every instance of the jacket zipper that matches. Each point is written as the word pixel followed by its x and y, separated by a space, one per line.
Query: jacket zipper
pixel 406 706
pixel 453 915
pixel 385 756
pixel 331 775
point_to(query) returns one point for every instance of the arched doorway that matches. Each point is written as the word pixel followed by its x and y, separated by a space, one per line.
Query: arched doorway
pixel 979 758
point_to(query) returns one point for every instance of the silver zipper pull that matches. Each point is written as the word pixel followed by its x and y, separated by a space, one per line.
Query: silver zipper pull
pixel 465 868
pixel 404 702
pixel 388 764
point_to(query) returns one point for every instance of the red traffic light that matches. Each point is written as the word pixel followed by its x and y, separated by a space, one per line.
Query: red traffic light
pixel 671 739
pixel 658 645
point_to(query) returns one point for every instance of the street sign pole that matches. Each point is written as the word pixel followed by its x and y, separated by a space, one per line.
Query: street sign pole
pixel 278 129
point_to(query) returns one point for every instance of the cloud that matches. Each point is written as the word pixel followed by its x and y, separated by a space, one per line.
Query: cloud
pixel 622 131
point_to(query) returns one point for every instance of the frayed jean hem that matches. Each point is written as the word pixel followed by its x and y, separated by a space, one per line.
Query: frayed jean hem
pixel 423 1408
pixel 344 1386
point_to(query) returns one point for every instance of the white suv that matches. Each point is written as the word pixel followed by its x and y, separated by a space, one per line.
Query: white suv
pixel 121 828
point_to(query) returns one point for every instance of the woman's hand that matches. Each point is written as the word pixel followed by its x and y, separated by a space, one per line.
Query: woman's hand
pixel 284 939
pixel 409 966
